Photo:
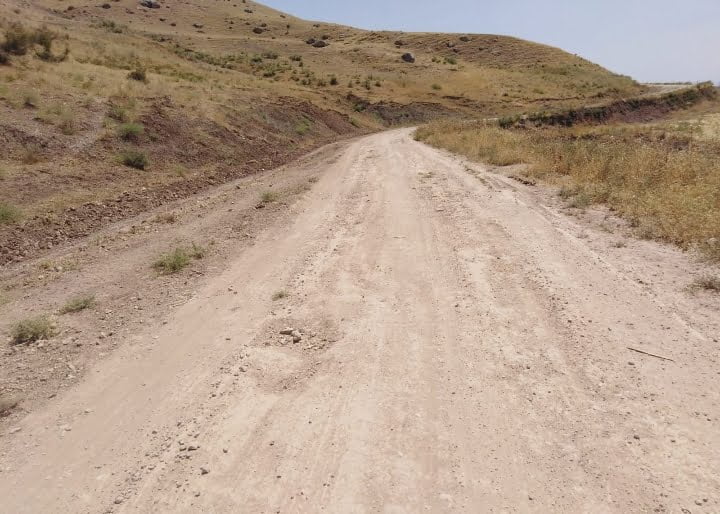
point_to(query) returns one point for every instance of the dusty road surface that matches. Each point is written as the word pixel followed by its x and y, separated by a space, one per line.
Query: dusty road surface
pixel 463 347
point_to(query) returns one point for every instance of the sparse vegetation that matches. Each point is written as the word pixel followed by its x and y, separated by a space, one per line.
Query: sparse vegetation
pixel 134 159
pixel 130 131
pixel 172 262
pixel 9 213
pixel 32 329
pixel 302 127
pixel 139 74
pixel 31 155
pixel 178 259
pixel 20 40
pixel 279 295
pixel 78 304
pixel 706 283
pixel 665 182
pixel 269 197
pixel 7 404
pixel 31 99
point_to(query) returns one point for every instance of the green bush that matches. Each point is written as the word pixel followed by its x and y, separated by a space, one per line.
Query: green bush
pixel 134 159
pixel 130 131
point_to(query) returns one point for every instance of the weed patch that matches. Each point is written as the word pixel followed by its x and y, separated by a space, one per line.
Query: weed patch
pixel 178 259
pixel 134 159
pixel 9 213
pixel 78 304
pixel 31 330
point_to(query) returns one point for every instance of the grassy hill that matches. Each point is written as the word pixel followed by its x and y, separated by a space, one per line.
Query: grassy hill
pixel 117 108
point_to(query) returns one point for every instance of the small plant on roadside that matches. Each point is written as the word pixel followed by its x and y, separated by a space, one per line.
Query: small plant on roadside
pixel 134 159
pixel 78 304
pixel 269 197
pixel 172 262
pixel 197 252
pixel 7 404
pixel 178 259
pixel 31 330
pixel 279 295
pixel 9 213
pixel 436 87
pixel 706 283
pixel 130 131
pixel 167 217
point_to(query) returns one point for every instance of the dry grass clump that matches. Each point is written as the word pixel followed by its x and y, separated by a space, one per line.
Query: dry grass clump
pixel 32 329
pixel 666 183
pixel 78 304
pixel 706 283
pixel 178 259
pixel 7 404
pixel 9 213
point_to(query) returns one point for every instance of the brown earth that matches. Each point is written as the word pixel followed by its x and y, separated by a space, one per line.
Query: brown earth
pixel 468 344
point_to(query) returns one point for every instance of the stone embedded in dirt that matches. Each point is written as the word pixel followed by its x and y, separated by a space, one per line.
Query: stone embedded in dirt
pixel 408 57
pixel 287 331
pixel 258 30
pixel 320 44
pixel 204 470
pixel 150 4
pixel 198 25
pixel 311 41
pixel 118 500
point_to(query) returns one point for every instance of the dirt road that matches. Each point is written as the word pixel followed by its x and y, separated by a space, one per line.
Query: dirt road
pixel 464 349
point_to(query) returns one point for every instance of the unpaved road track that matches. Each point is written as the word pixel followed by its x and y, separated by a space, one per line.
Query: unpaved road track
pixel 463 351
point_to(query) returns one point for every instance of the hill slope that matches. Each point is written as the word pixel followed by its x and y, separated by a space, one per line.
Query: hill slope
pixel 226 89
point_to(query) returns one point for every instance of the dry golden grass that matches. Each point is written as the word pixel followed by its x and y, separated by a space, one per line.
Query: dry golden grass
pixel 667 183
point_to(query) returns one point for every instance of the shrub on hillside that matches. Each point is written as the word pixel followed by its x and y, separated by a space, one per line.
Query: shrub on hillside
pixel 18 40
pixel 130 131
pixel 138 74
pixel 134 159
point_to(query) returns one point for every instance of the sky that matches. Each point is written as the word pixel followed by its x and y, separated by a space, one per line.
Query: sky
pixel 650 40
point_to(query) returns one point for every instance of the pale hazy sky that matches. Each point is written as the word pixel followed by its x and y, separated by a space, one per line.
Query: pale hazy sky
pixel 651 40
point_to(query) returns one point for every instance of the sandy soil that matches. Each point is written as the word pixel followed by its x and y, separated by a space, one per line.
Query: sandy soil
pixel 463 347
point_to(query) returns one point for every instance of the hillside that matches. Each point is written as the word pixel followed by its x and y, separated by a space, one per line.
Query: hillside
pixel 221 90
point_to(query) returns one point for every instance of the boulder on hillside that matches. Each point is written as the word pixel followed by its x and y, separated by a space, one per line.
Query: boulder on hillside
pixel 408 57
pixel 311 41
pixel 320 44
pixel 258 30
pixel 150 4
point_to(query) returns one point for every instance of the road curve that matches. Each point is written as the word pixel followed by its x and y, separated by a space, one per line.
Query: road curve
pixel 462 351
